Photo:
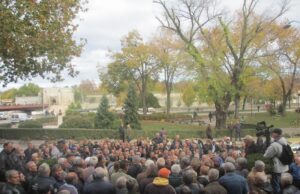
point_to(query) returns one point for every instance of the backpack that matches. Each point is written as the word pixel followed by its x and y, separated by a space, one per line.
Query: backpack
pixel 287 155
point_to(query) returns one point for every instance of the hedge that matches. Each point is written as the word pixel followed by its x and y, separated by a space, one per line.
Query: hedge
pixel 6 133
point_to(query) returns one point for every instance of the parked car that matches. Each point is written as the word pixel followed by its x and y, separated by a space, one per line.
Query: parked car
pixel 19 117
pixel 295 147
pixel 3 116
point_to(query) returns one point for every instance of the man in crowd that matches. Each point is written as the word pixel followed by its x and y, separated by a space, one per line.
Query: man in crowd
pixel 273 152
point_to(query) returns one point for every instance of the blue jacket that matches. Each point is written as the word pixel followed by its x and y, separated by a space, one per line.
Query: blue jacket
pixel 234 183
pixel 295 171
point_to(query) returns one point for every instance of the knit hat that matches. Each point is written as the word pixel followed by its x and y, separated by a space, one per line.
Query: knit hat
pixel 164 172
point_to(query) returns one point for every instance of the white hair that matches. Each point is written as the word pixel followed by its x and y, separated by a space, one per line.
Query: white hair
pixel 175 169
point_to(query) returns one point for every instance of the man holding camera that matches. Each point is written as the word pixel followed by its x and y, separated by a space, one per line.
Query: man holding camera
pixel 273 152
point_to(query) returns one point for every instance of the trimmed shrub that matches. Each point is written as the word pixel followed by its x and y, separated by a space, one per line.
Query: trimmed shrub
pixel 31 124
pixel 76 122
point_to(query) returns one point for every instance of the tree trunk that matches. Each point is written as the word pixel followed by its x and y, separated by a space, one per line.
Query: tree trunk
pixel 284 103
pixel 144 93
pixel 168 101
pixel 221 116
pixel 244 102
pixel 237 99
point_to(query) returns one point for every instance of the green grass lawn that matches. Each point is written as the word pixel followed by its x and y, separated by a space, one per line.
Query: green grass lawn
pixel 287 121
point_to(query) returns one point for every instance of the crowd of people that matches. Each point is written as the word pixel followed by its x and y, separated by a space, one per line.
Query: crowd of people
pixel 147 166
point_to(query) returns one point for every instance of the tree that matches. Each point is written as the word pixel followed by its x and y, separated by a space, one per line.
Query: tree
pixel 284 64
pixel 104 119
pixel 170 54
pixel 29 90
pixel 88 87
pixel 152 101
pixel 9 94
pixel 131 109
pixel 135 62
pixel 189 95
pixel 36 39
pixel 240 42
pixel 245 39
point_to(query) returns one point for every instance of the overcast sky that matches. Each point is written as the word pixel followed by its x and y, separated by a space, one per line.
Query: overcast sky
pixel 107 21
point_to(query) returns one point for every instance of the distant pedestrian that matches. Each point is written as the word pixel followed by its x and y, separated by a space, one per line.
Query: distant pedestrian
pixel 210 116
pixel 209 132
pixel 258 107
pixel 122 132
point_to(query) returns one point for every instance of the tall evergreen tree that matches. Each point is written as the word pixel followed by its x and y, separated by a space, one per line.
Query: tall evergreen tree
pixel 131 109
pixel 104 119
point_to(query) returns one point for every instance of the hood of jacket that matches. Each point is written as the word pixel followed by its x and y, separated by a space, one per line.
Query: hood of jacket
pixel 160 181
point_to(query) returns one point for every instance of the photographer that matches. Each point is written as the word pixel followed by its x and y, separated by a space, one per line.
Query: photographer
pixel 273 152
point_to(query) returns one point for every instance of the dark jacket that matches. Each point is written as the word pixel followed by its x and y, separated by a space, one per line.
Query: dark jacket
pixel 99 187
pixel 42 182
pixel 159 186
pixel 10 188
pixel 143 184
pixel 265 188
pixel 175 180
pixel 234 183
pixel 214 188
pixel 291 189
pixel 196 188
pixel 251 149
pixel 134 170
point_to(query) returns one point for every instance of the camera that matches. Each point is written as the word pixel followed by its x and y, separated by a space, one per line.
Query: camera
pixel 262 129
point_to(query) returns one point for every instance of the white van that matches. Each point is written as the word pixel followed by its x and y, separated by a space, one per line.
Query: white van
pixel 19 117
pixel 3 116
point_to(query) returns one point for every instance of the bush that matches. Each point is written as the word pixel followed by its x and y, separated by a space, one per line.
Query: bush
pixel 259 156
pixel 31 124
pixel 79 134
pixel 297 110
pixel 77 121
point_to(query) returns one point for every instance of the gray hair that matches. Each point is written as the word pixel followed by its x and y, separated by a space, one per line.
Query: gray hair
pixel 213 174
pixel 175 169
pixel 230 159
pixel 148 162
pixel 160 163
pixel 121 182
pixel 136 159
pixel 189 176
pixel 10 173
pixel 64 192
pixel 44 169
pixel 241 163
pixel 99 173
pixel 229 167
pixel 185 161
pixel 286 179
pixel 61 160
pixel 93 161
pixel 259 165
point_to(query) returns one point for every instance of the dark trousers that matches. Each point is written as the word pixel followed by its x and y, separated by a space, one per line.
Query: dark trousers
pixel 275 182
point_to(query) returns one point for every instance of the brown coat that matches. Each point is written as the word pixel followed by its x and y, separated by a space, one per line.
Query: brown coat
pixel 214 188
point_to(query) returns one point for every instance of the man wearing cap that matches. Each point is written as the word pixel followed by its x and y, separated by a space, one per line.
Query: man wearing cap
pixel 160 184
pixel 273 152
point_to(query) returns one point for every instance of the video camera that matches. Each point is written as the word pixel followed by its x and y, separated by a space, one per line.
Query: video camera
pixel 262 130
